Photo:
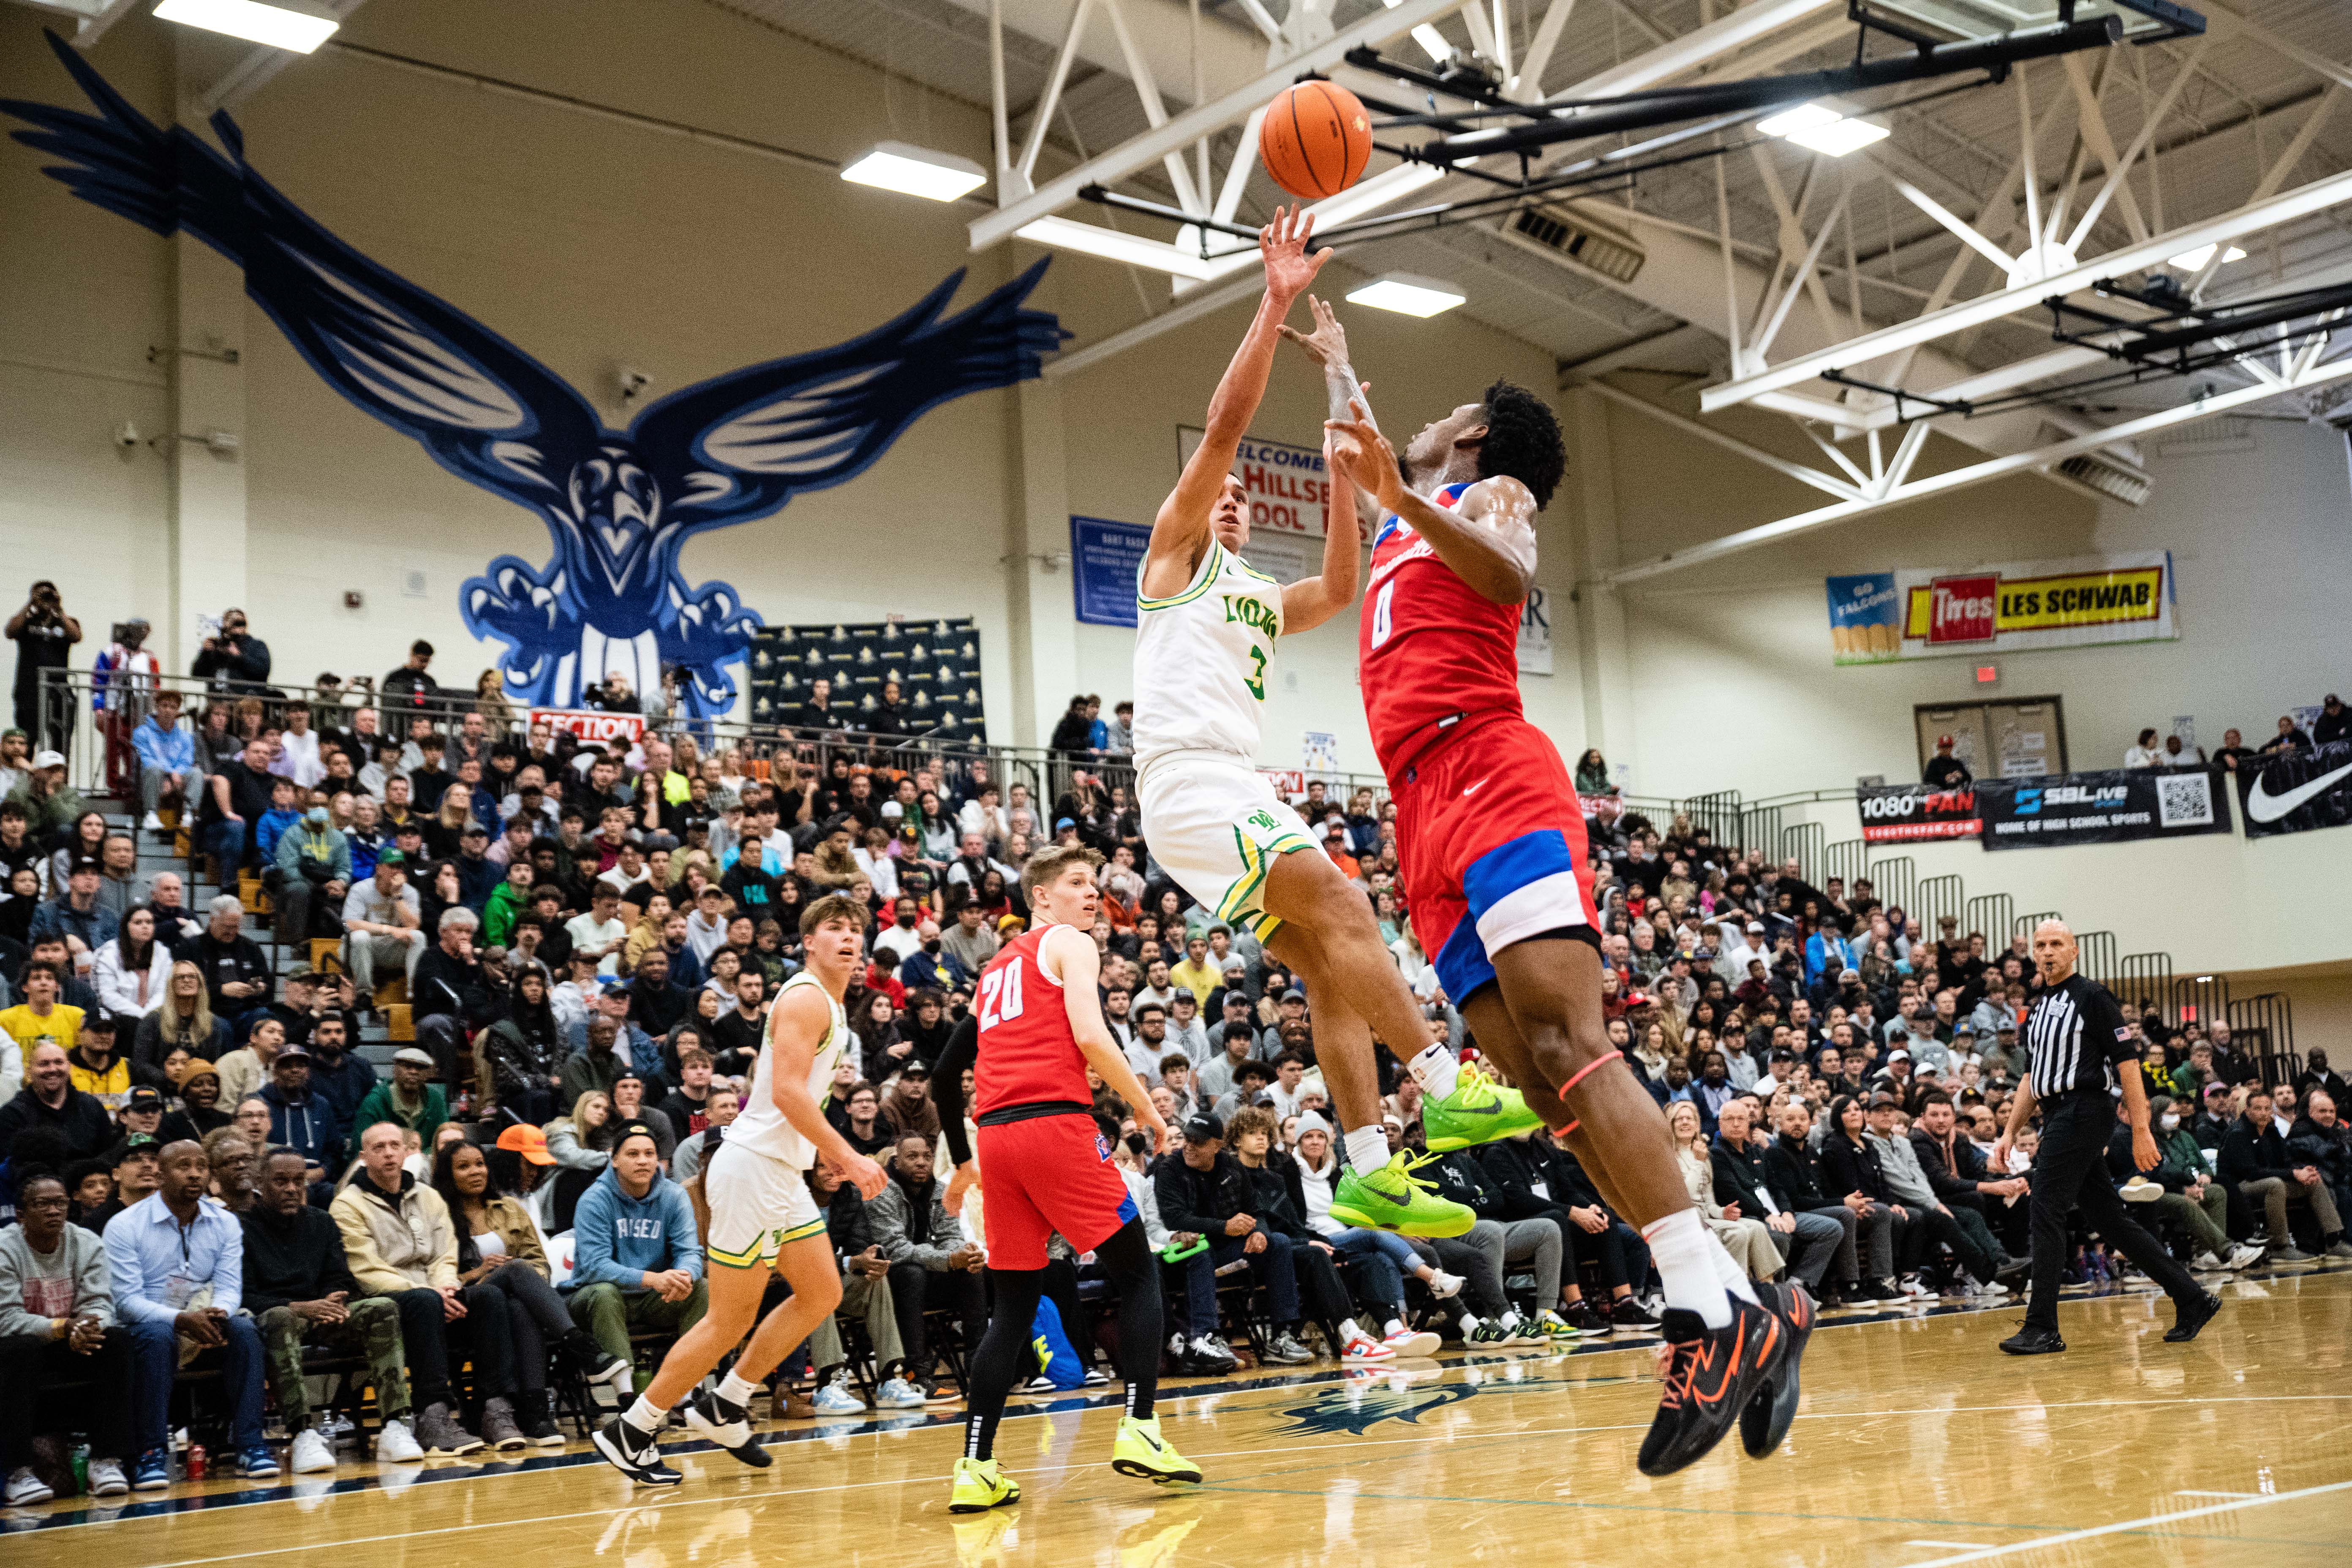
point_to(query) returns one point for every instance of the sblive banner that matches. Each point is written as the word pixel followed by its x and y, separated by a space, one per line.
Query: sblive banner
pixel 2294 792
pixel 2100 808
pixel 1932 613
pixel 1905 813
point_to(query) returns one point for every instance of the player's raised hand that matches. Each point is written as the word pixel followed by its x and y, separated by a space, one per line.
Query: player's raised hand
pixel 1326 345
pixel 1283 243
pixel 1363 455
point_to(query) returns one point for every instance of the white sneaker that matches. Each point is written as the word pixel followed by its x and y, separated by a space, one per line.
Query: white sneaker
pixel 395 1444
pixel 1915 1289
pixel 25 1487
pixel 837 1398
pixel 151 823
pixel 1401 1340
pixel 1363 1349
pixel 2245 1256
pixel 1991 1288
pixel 106 1478
pixel 1441 1284
pixel 310 1453
pixel 898 1394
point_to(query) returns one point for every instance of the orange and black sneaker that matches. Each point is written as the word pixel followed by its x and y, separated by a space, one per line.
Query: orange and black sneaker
pixel 1766 1419
pixel 1710 1376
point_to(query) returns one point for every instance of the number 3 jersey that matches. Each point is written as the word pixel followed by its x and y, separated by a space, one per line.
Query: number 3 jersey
pixel 1026 1054
pixel 1432 649
pixel 1201 657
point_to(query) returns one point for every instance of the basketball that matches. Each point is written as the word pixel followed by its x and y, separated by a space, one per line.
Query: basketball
pixel 1316 139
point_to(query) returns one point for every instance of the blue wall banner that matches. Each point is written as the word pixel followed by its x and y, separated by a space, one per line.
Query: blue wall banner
pixel 1104 556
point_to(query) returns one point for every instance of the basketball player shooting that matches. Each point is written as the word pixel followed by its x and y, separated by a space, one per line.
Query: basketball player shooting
pixel 1492 848
pixel 1206 627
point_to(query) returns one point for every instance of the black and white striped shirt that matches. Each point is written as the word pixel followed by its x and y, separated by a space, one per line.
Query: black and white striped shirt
pixel 2075 1036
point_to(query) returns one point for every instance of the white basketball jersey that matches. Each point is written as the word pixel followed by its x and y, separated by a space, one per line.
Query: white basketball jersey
pixel 761 1127
pixel 1202 658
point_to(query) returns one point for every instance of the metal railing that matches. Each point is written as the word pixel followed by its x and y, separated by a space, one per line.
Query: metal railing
pixel 2097 956
pixel 1845 860
pixel 2146 978
pixel 2201 999
pixel 1895 880
pixel 1935 898
pixel 2022 926
pixel 1991 913
pixel 1807 843
pixel 2263 1027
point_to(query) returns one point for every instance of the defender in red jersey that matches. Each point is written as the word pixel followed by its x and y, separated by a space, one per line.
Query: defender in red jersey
pixel 1037 1027
pixel 1492 845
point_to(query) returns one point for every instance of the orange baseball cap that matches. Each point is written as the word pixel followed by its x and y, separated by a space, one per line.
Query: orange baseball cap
pixel 528 1141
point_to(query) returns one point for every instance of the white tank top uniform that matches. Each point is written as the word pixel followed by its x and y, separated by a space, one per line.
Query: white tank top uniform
pixel 756 1184
pixel 1202 662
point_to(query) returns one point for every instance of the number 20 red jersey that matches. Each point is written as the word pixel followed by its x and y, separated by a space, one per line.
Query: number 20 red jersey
pixel 1027 1054
pixel 1431 647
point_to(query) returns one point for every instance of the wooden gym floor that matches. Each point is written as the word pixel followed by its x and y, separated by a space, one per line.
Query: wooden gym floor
pixel 1920 1446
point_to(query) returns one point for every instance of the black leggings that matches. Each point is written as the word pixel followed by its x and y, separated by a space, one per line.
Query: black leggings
pixel 1128 1265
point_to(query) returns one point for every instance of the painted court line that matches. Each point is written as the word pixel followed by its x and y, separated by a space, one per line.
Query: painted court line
pixel 2191 1491
pixel 1963 1544
pixel 2128 1526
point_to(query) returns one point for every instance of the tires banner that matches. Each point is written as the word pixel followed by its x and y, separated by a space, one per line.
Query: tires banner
pixel 1905 813
pixel 2295 792
pixel 1927 611
pixel 2100 808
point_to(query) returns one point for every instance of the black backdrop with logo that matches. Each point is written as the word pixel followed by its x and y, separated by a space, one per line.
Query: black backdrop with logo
pixel 935 663
pixel 2101 808
pixel 2296 792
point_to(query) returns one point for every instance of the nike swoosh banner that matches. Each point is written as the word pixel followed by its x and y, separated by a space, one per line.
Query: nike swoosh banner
pixel 2112 808
pixel 2297 791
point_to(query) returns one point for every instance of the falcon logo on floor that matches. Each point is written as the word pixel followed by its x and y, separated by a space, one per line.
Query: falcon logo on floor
pixel 1358 1408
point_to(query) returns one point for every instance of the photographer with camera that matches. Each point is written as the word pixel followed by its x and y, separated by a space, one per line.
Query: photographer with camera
pixel 43 632
pixel 233 659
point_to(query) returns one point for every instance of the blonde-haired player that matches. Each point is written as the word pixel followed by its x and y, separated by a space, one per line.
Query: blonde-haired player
pixel 762 1216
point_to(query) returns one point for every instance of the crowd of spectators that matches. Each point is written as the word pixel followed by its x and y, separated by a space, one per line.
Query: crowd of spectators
pixel 209 1172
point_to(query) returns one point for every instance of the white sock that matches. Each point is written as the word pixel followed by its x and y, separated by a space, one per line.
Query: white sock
pixel 1734 1277
pixel 1510 1317
pixel 1434 1067
pixel 1469 1324
pixel 646 1415
pixel 1368 1150
pixel 736 1392
pixel 1678 1246
pixel 1396 1326
pixel 1350 1329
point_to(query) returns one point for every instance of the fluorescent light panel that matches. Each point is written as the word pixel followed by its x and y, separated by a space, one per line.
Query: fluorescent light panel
pixel 1822 129
pixel 916 172
pixel 1408 295
pixel 1069 234
pixel 280 26
pixel 2195 260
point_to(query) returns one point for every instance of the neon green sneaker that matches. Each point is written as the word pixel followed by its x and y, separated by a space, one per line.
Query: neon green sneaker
pixel 1393 1198
pixel 980 1486
pixel 1479 1111
pixel 1552 1326
pixel 1140 1450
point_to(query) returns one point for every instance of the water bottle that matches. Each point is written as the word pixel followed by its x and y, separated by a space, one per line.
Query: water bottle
pixel 80 1462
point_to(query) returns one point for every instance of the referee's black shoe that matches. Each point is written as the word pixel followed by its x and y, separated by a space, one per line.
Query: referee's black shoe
pixel 2187 1320
pixel 1710 1376
pixel 1766 1419
pixel 2030 1341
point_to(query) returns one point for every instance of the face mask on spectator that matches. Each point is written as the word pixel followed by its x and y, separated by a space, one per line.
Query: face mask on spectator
pixel 316 817
pixel 2170 1122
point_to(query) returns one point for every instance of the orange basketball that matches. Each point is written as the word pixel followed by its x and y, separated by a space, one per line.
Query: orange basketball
pixel 1315 140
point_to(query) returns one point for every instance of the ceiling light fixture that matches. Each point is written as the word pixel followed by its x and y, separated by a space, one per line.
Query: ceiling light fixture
pixel 1093 239
pixel 915 172
pixel 1407 295
pixel 280 26
pixel 2195 260
pixel 1824 131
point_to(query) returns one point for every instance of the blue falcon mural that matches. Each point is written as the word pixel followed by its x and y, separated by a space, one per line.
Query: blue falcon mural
pixel 619 504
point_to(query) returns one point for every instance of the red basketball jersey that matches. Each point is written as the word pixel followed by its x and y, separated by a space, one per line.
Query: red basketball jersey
pixel 1431 647
pixel 1027 1053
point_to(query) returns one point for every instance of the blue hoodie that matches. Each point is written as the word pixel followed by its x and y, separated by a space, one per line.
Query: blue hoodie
pixel 617 1239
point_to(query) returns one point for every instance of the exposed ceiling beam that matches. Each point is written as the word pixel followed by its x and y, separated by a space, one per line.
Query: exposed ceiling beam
pixel 1964 478
pixel 2317 196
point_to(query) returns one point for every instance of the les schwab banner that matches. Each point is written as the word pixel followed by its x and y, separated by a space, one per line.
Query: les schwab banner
pixel 1929 612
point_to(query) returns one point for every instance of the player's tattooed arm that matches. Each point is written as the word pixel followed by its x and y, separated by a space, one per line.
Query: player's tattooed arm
pixel 1179 534
pixel 1488 540
pixel 1326 345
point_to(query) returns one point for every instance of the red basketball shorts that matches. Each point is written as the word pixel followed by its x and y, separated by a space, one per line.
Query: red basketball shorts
pixel 1491 844
pixel 1045 1175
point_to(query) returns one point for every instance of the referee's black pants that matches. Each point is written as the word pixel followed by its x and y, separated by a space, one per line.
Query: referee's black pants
pixel 2071 1169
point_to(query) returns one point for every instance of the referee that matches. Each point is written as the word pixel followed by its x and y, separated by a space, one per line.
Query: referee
pixel 2076 1037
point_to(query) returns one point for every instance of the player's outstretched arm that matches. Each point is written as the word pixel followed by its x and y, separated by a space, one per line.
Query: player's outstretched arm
pixel 1326 345
pixel 1309 602
pixel 1488 538
pixel 799 1025
pixel 1179 534
pixel 1069 955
